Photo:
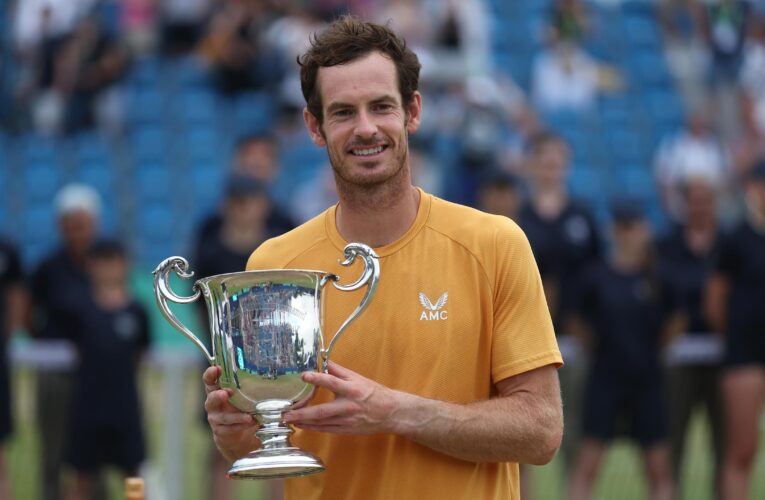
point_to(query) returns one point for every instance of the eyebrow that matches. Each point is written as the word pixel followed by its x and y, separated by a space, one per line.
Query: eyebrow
pixel 378 100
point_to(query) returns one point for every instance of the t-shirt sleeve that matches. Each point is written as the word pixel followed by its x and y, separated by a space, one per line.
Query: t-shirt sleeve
pixel 144 332
pixel 522 338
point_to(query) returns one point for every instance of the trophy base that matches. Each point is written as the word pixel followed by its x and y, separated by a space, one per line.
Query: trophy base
pixel 274 464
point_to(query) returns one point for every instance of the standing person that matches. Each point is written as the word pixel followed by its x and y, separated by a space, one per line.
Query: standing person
pixel 500 194
pixel 255 157
pixel 243 226
pixel 734 304
pixel 112 334
pixel 12 311
pixel 564 238
pixel 59 285
pixel 411 407
pixel 624 305
pixel 686 260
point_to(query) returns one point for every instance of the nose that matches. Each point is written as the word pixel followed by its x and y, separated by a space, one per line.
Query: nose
pixel 365 127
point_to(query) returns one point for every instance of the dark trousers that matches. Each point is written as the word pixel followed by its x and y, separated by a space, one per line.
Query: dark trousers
pixel 54 396
pixel 689 387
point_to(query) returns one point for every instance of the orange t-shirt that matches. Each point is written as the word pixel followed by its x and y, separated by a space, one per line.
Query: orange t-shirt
pixel 458 308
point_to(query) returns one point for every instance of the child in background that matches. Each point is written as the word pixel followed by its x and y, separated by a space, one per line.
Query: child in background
pixel 624 306
pixel 105 426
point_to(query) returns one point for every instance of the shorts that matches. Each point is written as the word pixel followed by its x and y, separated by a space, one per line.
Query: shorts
pixel 91 447
pixel 619 406
pixel 744 347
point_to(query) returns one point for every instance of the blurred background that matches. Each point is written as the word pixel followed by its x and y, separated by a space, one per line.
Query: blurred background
pixel 155 104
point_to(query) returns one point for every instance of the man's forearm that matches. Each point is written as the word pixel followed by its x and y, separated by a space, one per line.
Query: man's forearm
pixel 519 428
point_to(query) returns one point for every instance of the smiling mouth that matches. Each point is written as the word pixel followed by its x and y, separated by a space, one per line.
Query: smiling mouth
pixel 368 151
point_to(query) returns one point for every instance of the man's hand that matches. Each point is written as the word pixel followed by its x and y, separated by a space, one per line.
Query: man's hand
pixel 361 406
pixel 233 430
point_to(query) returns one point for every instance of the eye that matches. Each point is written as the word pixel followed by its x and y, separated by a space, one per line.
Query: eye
pixel 342 113
pixel 383 107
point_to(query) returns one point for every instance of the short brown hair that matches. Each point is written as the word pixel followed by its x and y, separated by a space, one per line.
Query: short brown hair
pixel 347 39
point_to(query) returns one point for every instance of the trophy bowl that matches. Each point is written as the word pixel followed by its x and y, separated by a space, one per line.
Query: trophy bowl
pixel 266 330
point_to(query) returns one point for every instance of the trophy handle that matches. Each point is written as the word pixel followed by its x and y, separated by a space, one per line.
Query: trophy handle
pixel 370 277
pixel 163 292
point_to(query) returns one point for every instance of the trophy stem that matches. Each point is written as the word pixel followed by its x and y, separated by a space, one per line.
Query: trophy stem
pixel 276 458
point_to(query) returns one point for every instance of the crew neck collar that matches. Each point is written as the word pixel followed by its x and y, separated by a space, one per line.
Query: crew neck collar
pixel 423 210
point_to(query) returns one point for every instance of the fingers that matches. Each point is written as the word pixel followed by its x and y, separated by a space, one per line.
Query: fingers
pixel 339 371
pixel 210 378
pixel 320 413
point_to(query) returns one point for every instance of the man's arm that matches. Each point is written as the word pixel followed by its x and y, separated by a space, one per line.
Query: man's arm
pixel 523 424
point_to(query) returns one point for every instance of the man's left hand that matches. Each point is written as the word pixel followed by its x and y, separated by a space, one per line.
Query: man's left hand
pixel 361 406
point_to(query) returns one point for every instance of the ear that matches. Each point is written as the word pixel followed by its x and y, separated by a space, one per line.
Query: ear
pixel 414 113
pixel 314 128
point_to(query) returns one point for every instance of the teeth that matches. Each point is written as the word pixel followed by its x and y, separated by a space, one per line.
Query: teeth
pixel 367 152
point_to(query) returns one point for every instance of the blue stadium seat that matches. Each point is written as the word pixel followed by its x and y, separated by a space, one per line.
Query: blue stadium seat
pixel 643 32
pixel 145 106
pixel 41 180
pixel 39 222
pixel 153 182
pixel 97 173
pixel 197 106
pixel 145 72
pixel 254 112
pixel 202 143
pixel 90 146
pixel 634 181
pixel 149 143
pixel 665 108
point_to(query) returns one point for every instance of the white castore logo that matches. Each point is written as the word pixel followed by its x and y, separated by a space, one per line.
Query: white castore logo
pixel 434 311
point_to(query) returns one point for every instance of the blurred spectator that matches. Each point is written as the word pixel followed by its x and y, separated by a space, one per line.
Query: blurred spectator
pixel 182 23
pixel 500 194
pixel 734 306
pixel 565 78
pixel 60 286
pixel 112 333
pixel 91 63
pixel 12 312
pixel 451 38
pixel 692 151
pixel 569 20
pixel 686 259
pixel 243 228
pixel 138 25
pixel 624 305
pixel 35 19
pixel 689 60
pixel 255 158
pixel 726 29
pixel 751 77
pixel 234 47
pixel 564 238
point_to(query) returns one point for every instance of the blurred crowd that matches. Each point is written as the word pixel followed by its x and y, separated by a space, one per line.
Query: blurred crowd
pixel 653 325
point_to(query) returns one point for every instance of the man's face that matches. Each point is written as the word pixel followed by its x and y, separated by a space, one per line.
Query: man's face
pixel 257 159
pixel 755 195
pixel 500 200
pixel 549 163
pixel 111 270
pixel 366 125
pixel 700 201
pixel 78 229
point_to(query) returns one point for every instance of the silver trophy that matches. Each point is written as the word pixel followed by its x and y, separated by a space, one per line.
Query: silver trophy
pixel 265 329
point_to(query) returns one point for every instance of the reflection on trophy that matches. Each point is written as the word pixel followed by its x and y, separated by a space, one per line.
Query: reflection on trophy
pixel 266 330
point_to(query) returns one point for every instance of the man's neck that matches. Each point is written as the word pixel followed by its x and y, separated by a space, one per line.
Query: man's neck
pixel 377 217
pixel 549 201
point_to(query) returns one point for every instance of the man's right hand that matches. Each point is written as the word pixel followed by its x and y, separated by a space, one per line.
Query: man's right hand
pixel 233 430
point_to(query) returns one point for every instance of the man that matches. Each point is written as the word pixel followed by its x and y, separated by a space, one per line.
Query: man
pixel 58 287
pixel 255 157
pixel 13 300
pixel 563 235
pixel 412 406
pixel 686 259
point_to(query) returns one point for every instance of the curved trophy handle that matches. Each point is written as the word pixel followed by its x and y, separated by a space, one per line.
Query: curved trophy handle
pixel 163 292
pixel 370 277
